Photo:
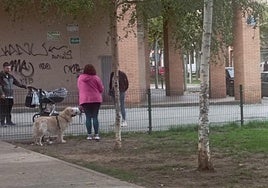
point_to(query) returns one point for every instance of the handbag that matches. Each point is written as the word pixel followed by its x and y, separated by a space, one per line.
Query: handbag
pixel 29 99
pixel 35 99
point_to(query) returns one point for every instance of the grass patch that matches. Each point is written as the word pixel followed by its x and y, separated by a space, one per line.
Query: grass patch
pixel 233 139
pixel 169 158
pixel 115 172
pixel 252 137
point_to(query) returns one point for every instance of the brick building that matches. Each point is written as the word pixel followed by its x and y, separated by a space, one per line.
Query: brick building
pixel 47 53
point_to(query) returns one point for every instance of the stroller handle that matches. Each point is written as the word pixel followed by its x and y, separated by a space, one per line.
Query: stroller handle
pixel 32 88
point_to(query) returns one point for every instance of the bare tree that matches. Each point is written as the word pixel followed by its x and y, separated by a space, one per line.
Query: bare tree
pixel 204 158
pixel 115 64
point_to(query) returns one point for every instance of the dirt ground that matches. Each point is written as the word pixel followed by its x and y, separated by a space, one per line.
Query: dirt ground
pixel 149 166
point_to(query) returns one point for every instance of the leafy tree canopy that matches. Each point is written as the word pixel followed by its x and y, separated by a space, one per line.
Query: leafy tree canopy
pixel 186 16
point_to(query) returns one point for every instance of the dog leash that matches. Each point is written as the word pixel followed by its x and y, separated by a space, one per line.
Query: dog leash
pixel 80 118
pixel 58 123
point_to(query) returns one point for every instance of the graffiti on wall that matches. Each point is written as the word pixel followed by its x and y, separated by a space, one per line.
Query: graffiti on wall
pixel 55 52
pixel 26 80
pixel 44 66
pixel 73 69
pixel 24 69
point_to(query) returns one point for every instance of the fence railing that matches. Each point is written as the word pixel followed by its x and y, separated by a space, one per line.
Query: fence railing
pixel 155 112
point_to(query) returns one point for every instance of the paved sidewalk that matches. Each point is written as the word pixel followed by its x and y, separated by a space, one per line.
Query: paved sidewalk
pixel 23 168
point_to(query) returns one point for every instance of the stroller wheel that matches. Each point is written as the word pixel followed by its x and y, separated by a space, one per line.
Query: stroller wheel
pixel 35 116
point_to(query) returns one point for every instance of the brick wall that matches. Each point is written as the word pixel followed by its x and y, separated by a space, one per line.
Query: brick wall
pixel 217 79
pixel 50 63
pixel 247 59
pixel 174 70
pixel 132 55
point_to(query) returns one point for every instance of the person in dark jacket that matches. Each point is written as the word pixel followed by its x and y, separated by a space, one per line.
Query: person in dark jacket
pixel 7 81
pixel 123 86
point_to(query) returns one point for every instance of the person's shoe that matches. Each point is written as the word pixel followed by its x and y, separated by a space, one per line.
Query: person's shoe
pixel 11 124
pixel 124 123
pixel 97 137
pixel 89 137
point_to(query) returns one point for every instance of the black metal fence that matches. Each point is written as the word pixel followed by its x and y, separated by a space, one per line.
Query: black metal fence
pixel 155 112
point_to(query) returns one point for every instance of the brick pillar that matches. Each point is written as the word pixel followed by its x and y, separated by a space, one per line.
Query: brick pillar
pixel 132 53
pixel 217 79
pixel 247 59
pixel 173 61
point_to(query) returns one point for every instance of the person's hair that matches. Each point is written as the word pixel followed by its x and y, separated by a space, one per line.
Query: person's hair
pixel 6 64
pixel 89 69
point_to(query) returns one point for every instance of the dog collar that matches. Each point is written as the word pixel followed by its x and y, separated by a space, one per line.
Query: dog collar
pixel 64 118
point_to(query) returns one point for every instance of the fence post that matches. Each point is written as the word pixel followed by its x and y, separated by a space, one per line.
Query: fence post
pixel 162 81
pixel 241 105
pixel 149 111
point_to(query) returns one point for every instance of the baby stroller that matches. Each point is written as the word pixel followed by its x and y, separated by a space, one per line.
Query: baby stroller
pixel 45 100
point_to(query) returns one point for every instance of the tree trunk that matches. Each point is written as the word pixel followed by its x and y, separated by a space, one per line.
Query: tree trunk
pixel 204 158
pixel 115 67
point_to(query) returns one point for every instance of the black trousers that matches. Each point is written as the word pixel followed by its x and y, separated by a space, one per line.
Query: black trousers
pixel 5 110
pixel 91 112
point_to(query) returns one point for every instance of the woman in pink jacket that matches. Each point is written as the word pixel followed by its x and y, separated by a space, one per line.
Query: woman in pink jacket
pixel 90 88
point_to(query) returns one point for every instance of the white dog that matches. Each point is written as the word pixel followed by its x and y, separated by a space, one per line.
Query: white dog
pixel 55 125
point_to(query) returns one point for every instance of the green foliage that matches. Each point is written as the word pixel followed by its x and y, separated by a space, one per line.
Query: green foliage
pixel 148 9
pixel 185 16
pixel 264 28
pixel 13 7
pixel 155 26
pixel 71 7
pixel 75 8
pixel 185 19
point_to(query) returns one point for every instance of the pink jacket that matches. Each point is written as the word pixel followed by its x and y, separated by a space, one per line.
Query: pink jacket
pixel 90 89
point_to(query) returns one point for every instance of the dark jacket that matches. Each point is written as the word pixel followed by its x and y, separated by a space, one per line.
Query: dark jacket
pixel 7 81
pixel 123 81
